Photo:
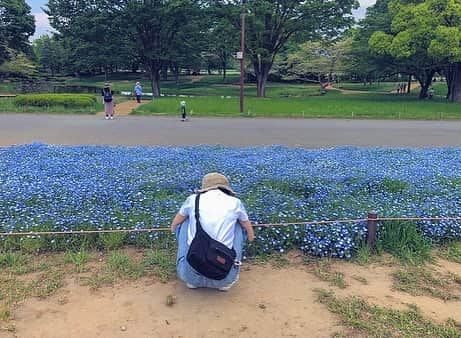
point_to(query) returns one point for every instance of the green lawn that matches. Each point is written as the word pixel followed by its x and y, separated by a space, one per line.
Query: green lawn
pixel 211 96
pixel 440 89
pixel 385 87
pixel 7 87
pixel 207 86
pixel 332 105
pixel 7 106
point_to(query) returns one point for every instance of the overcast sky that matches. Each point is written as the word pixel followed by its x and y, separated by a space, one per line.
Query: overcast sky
pixel 43 26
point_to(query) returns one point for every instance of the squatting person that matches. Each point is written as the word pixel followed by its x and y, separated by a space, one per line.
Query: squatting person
pixel 210 251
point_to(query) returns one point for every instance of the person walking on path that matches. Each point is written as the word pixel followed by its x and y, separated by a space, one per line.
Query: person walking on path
pixel 138 92
pixel 109 101
pixel 211 229
pixel 183 111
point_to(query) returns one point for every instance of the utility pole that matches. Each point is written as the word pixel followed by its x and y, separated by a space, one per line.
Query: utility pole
pixel 242 59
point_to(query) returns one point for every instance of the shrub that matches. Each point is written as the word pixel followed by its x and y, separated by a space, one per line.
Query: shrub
pixel 50 100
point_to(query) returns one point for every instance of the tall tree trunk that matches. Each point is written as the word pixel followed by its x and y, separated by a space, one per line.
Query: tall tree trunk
pixel 261 79
pixel 454 82
pixel 176 73
pixel 224 68
pixel 165 73
pixel 156 83
pixel 409 84
pixel 175 69
pixel 425 81
pixel 262 73
pixel 154 67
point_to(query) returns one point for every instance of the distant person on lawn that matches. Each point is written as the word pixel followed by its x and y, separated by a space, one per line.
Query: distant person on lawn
pixel 183 111
pixel 211 228
pixel 138 92
pixel 109 101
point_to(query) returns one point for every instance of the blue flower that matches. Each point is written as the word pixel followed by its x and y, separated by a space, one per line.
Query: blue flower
pixel 46 187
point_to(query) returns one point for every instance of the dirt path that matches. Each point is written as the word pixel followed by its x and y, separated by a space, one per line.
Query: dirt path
pixel 125 108
pixel 195 78
pixel 265 303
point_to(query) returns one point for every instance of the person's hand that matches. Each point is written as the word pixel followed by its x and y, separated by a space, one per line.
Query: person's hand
pixel 173 227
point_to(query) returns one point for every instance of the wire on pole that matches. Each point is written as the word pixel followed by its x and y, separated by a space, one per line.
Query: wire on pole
pixel 372 222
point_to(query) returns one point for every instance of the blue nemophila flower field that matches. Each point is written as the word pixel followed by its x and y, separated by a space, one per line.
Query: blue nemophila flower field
pixel 45 187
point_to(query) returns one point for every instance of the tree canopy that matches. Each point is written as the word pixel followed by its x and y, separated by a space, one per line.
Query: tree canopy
pixel 17 25
pixel 425 37
pixel 271 24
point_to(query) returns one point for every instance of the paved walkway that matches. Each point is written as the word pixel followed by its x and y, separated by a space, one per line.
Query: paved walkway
pixel 309 133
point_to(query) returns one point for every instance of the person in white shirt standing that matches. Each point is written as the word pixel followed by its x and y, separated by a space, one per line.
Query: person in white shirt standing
pixel 223 217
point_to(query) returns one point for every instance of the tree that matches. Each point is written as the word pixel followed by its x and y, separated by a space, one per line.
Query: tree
pixel 50 54
pixel 317 61
pixel 425 35
pixel 18 64
pixel 363 63
pixel 223 42
pixel 17 25
pixel 94 33
pixel 272 23
pixel 160 29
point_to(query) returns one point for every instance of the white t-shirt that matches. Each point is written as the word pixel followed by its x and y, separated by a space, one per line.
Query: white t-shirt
pixel 219 213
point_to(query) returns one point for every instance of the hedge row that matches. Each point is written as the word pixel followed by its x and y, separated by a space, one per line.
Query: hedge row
pixel 48 100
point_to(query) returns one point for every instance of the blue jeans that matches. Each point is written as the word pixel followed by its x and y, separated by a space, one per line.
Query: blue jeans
pixel 189 275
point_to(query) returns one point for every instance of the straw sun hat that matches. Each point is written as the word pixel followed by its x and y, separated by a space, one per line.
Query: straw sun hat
pixel 215 181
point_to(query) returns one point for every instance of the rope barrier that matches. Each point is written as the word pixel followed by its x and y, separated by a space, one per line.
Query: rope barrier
pixel 268 225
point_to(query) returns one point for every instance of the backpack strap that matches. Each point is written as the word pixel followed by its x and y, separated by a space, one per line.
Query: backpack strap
pixel 197 213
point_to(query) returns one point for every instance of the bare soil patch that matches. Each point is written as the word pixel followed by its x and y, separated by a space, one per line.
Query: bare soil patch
pixel 275 299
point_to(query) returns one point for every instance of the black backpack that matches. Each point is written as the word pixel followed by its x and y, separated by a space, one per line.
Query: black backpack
pixel 207 256
pixel 107 96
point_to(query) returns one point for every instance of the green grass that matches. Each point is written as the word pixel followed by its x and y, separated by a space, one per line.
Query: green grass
pixel 112 241
pixel 211 96
pixel 162 263
pixel 275 259
pixel 124 266
pixel 418 281
pixel 323 271
pixel 78 259
pixel 375 321
pixel 7 87
pixel 405 242
pixel 7 105
pixel 332 105
pixel 451 251
pixel 440 89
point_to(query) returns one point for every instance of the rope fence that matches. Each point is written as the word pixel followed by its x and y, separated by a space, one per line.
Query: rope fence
pixel 372 223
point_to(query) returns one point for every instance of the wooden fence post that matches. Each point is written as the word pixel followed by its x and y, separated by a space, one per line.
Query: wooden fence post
pixel 372 227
